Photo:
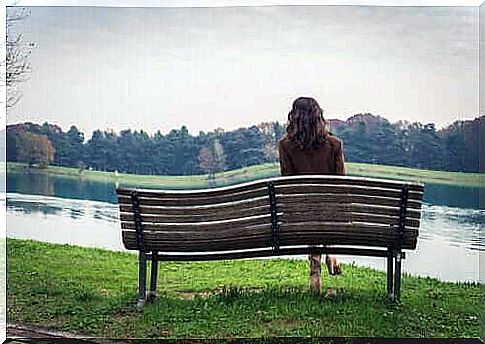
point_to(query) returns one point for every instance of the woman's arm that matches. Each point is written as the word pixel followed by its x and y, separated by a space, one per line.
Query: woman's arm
pixel 286 166
pixel 339 159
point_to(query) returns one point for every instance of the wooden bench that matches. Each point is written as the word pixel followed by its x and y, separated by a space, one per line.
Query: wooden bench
pixel 272 217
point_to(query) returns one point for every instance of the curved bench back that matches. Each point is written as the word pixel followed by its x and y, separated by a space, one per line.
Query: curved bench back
pixel 308 210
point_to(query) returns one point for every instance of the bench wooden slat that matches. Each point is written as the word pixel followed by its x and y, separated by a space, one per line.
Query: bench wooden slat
pixel 258 207
pixel 202 226
pixel 208 198
pixel 196 239
pixel 319 230
pixel 278 181
pixel 340 189
pixel 193 193
pixel 338 215
pixel 309 235
pixel 154 242
pixel 188 216
pixel 350 228
pixel 343 216
pixel 322 199
pixel 190 236
pixel 338 238
pixel 347 180
pixel 220 225
pixel 199 210
pixel 303 250
pixel 355 208
pixel 189 233
pixel 285 198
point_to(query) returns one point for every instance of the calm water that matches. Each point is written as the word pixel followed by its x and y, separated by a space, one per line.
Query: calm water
pixel 85 213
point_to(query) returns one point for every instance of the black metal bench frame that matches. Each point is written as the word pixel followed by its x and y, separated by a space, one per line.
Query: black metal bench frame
pixel 394 254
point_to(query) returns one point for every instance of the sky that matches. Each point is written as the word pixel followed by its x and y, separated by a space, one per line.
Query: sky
pixel 219 3
pixel 229 67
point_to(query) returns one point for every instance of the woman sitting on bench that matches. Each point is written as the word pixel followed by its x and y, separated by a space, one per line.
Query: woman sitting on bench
pixel 309 148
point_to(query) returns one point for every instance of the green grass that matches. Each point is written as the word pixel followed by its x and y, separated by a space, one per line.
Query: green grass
pixel 170 182
pixel 92 292
pixel 413 174
pixel 258 172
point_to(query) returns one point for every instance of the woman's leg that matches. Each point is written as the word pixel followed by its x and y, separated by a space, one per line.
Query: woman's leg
pixel 332 265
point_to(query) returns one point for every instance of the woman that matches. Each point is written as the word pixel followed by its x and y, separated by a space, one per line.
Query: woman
pixel 308 148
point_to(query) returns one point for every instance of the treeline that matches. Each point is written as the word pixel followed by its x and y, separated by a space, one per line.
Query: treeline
pixel 367 138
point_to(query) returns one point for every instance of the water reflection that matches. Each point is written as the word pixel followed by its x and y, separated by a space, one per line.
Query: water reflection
pixel 59 186
pixel 76 213
pixel 462 227
pixel 454 196
pixel 104 191
pixel 75 209
pixel 30 206
pixel 63 221
pixel 35 183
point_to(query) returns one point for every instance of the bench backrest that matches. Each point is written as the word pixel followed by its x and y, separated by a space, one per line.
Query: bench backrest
pixel 273 213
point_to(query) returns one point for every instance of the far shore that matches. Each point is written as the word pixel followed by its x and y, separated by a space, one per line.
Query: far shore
pixel 253 173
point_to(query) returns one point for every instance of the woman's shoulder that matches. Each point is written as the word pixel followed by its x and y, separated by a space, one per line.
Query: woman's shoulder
pixel 334 140
pixel 285 141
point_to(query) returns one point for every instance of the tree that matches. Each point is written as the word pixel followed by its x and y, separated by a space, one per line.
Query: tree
pixel 279 131
pixel 268 132
pixel 271 152
pixel 34 149
pixel 75 146
pixel 245 147
pixel 95 151
pixel 219 156
pixel 367 138
pixel 462 145
pixel 207 162
pixel 17 55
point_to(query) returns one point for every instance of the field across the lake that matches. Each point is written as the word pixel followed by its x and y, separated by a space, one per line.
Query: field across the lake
pixel 93 292
pixel 253 173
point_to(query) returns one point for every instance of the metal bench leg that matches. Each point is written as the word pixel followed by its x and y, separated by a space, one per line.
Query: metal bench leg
pixel 152 294
pixel 390 275
pixel 397 276
pixel 142 278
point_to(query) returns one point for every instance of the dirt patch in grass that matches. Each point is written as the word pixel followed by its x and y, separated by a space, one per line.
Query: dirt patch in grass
pixel 190 295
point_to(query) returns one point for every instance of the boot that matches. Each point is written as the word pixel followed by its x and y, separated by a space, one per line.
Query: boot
pixel 332 265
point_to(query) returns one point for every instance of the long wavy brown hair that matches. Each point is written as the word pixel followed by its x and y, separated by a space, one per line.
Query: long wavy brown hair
pixel 306 128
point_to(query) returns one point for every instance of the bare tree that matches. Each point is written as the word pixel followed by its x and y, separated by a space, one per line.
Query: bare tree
pixel 270 145
pixel 271 152
pixel 219 156
pixel 18 55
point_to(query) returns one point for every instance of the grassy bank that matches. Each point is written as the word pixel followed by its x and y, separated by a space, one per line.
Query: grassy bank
pixel 92 292
pixel 258 172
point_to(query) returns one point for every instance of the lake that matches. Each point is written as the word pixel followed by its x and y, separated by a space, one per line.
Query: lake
pixel 85 213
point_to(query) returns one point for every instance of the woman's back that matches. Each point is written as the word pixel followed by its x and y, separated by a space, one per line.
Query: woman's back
pixel 326 158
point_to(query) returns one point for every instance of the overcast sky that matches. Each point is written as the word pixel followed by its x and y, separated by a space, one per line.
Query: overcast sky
pixel 161 68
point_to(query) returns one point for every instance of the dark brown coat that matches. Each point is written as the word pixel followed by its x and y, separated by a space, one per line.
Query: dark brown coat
pixel 328 158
